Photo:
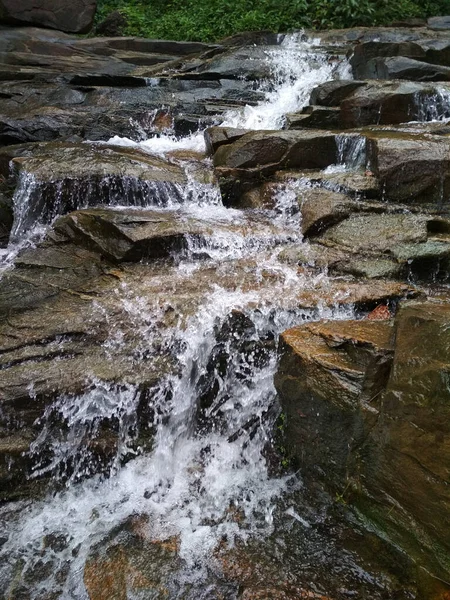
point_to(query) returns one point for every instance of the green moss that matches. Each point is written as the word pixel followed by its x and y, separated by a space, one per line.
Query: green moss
pixel 209 20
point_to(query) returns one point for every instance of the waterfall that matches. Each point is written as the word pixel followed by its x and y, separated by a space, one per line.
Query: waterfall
pixel 211 417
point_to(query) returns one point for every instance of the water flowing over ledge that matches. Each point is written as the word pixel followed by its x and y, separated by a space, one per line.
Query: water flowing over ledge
pixel 163 441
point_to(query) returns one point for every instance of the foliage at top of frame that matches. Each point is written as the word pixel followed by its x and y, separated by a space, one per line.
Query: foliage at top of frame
pixel 210 20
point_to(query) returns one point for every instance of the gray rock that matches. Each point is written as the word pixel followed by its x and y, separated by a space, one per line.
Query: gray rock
pixel 74 16
pixel 219 136
pixel 331 93
pixel 279 149
pixel 403 68
pixel 412 168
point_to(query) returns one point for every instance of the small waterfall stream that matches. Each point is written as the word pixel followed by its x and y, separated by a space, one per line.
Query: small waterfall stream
pixel 206 479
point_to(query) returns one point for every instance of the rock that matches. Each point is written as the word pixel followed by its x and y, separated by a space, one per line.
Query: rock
pixel 320 117
pixel 377 233
pixel 412 22
pixel 112 25
pixel 279 149
pixel 412 168
pixel 6 218
pixel 321 208
pixel 368 51
pixel 367 408
pixel 243 164
pixel 58 178
pixel 381 102
pixel 219 136
pixel 133 235
pixel 106 78
pixel 355 184
pixel 332 93
pixel 403 68
pixel 76 16
pixel 439 23
pixel 149 46
pixel 387 103
pixel 249 63
pixel 365 295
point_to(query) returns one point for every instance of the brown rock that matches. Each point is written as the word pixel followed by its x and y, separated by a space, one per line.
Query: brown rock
pixel 367 406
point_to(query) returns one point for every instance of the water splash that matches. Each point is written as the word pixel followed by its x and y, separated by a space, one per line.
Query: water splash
pixel 298 67
pixel 432 107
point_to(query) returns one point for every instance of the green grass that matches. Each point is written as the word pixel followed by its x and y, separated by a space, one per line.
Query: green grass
pixel 210 20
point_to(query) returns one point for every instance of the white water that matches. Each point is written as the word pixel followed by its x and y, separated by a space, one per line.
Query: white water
pixel 193 482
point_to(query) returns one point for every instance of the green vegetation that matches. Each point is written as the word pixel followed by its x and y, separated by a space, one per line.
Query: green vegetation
pixel 209 20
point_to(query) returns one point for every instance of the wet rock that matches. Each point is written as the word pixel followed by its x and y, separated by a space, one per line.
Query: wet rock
pixel 76 16
pixel 403 68
pixel 406 240
pixel 362 398
pixel 322 208
pixel 380 102
pixel 378 233
pixel 219 136
pixel 249 62
pixel 131 235
pixel 355 184
pixel 243 164
pixel 58 178
pixel 412 168
pixel 343 262
pixel 332 93
pixel 321 117
pixel 175 48
pixel 366 52
pixel 389 103
pixel 279 149
pixel 112 74
pixel 365 295
pixel 6 218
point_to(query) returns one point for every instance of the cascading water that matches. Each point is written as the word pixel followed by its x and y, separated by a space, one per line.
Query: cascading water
pixel 206 480
pixel 433 107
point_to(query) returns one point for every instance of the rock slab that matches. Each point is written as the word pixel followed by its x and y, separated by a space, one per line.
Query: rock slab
pixel 74 16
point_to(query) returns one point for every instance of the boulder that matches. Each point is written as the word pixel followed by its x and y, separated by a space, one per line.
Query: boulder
pixel 412 168
pixel 402 68
pixel 220 136
pixel 367 412
pixel 57 178
pixel 315 117
pixel 332 93
pixel 131 235
pixel 75 16
pixel 279 149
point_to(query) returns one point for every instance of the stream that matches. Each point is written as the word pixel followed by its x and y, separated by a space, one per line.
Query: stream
pixel 167 519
